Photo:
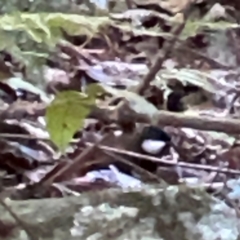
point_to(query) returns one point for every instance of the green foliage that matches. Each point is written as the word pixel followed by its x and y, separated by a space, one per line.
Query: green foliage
pixel 30 37
pixel 67 112
pixel 46 27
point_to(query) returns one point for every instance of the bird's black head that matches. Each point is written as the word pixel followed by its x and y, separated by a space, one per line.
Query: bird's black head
pixel 155 133
pixel 153 140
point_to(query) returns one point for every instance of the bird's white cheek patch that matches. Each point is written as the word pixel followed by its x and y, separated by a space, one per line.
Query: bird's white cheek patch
pixel 153 146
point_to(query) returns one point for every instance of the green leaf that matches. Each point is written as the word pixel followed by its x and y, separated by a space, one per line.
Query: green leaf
pixel 31 37
pixel 47 27
pixel 94 89
pixel 66 115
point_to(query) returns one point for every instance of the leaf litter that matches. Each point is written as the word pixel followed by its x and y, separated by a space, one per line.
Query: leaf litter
pixel 72 114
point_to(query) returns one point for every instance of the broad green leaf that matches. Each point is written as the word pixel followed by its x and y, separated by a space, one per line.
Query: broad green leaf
pixel 66 115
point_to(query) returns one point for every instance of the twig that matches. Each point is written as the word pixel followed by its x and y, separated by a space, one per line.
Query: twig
pixel 159 160
pixel 139 169
pixel 22 224
pixel 161 118
pixel 74 165
pixel 165 118
pixel 160 60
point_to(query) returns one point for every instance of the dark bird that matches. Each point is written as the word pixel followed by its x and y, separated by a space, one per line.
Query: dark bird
pixel 153 140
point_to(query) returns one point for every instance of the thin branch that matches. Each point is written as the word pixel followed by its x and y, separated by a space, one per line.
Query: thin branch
pixel 136 167
pixel 170 163
pixel 165 118
pixel 22 224
pixel 160 60
pixel 162 118
pixel 74 165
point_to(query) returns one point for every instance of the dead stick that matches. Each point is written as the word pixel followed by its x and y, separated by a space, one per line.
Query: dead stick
pixel 161 118
pixel 170 163
pixel 21 223
pixel 73 166
pixel 160 60
pixel 165 118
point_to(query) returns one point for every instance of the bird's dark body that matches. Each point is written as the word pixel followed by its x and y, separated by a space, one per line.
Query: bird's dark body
pixel 131 142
